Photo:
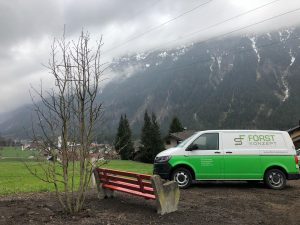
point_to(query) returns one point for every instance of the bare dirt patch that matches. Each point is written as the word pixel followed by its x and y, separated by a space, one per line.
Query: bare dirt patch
pixel 204 203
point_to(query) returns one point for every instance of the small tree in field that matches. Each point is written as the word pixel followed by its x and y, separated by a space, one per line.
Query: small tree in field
pixel 151 140
pixel 123 140
pixel 157 142
pixel 175 126
pixel 146 140
pixel 67 116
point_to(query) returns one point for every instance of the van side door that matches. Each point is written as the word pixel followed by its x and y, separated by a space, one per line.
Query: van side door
pixel 241 161
pixel 205 155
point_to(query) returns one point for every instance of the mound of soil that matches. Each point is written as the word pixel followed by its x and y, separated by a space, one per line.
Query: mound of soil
pixel 204 203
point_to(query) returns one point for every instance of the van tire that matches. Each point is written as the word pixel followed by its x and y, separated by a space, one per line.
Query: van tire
pixel 275 179
pixel 182 177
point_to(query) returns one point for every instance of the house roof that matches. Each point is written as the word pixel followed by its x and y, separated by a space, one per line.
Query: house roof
pixel 180 136
pixel 296 139
pixel 293 129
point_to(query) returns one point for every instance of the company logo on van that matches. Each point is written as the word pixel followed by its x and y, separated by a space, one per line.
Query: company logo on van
pixel 239 140
pixel 255 139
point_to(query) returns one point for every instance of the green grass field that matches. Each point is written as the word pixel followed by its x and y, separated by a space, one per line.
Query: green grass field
pixel 130 166
pixel 16 152
pixel 15 178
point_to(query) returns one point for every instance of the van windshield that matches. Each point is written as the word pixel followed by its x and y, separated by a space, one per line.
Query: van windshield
pixel 182 144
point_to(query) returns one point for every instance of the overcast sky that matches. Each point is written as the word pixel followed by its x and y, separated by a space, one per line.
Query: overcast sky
pixel 29 26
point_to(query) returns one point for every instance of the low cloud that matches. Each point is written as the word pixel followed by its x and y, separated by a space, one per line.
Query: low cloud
pixel 28 28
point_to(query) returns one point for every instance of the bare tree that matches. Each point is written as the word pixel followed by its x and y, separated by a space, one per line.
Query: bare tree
pixel 67 116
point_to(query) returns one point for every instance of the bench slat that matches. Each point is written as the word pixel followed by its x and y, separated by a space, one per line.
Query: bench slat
pixel 145 195
pixel 128 180
pixel 128 174
pixel 133 187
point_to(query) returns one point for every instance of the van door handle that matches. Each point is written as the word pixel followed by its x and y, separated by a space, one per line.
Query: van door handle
pixel 229 152
pixel 217 152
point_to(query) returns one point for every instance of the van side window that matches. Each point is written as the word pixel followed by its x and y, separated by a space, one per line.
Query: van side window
pixel 208 141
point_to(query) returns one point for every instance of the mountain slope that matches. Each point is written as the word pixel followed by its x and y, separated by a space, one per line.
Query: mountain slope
pixel 239 82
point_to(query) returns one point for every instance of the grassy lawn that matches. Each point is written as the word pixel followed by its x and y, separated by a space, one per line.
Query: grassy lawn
pixel 15 178
pixel 130 166
pixel 16 152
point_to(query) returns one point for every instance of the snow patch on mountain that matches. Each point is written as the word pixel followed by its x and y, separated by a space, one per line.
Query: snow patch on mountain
pixel 292 57
pixel 212 64
pixel 219 60
pixel 195 116
pixel 140 56
pixel 175 58
pixel 163 54
pixel 286 89
pixel 253 41
pixel 280 36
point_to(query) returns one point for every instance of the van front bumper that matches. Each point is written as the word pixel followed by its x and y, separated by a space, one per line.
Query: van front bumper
pixel 293 176
pixel 163 170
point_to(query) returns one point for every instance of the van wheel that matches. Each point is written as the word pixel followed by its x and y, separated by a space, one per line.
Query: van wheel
pixel 275 179
pixel 182 177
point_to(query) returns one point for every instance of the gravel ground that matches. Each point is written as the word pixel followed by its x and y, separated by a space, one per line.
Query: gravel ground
pixel 203 203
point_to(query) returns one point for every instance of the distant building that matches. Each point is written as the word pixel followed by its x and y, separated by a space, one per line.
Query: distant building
pixel 175 138
pixel 295 135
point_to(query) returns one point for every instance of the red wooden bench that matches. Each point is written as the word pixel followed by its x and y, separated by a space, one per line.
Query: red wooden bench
pixel 132 183
pixel 141 185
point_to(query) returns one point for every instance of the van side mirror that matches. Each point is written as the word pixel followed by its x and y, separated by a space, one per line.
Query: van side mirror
pixel 192 147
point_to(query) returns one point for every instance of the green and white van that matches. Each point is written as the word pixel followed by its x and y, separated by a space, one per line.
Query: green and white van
pixel 250 155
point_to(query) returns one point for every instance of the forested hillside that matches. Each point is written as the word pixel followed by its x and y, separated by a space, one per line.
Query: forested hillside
pixel 240 82
pixel 244 82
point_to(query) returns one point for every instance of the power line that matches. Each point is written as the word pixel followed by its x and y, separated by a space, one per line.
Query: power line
pixel 219 23
pixel 159 26
pixel 233 31
pixel 256 23
pixel 242 28
pixel 224 21
pixel 201 30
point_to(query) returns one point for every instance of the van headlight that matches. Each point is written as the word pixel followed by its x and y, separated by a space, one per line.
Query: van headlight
pixel 162 159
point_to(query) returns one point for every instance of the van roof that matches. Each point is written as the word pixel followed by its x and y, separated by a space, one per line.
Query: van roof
pixel 271 131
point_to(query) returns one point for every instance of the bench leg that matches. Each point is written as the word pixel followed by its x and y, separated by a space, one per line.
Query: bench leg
pixel 107 193
pixel 167 195
pixel 102 192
